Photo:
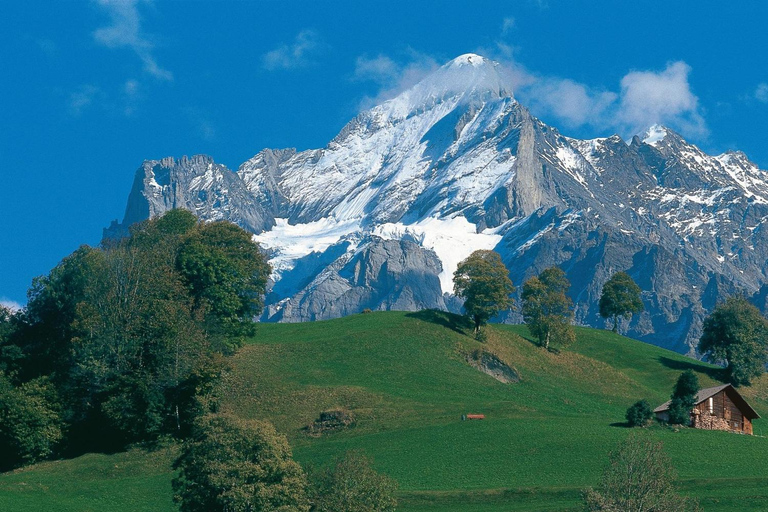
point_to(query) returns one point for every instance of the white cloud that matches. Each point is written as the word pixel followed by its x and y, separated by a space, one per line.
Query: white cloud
pixel 125 32
pixel 392 77
pixel 201 122
pixel 507 24
pixel 761 93
pixel 643 98
pixel 295 55
pixel 83 98
pixel 573 103
pixel 131 95
pixel 665 97
pixel 10 304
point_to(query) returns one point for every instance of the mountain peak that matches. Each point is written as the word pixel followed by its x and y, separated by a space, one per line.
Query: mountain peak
pixel 467 78
pixel 469 59
pixel 654 134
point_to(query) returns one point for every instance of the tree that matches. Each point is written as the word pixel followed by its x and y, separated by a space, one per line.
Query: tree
pixel 235 465
pixel 639 478
pixel 736 334
pixel 683 398
pixel 352 485
pixel 483 282
pixel 127 332
pixel 620 297
pixel 30 422
pixel 639 414
pixel 547 308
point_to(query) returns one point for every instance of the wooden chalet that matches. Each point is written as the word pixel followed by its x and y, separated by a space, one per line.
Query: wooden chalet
pixel 717 408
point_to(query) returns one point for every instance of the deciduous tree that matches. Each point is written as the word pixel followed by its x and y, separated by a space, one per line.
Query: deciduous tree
pixel 547 308
pixel 736 334
pixel 483 282
pixel 639 478
pixel 235 465
pixel 352 485
pixel 620 297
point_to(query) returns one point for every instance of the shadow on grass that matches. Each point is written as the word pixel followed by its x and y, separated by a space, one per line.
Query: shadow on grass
pixel 718 374
pixel 457 323
pixel 621 424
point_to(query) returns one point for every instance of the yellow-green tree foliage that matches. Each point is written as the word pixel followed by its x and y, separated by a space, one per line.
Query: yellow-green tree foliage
pixel 483 282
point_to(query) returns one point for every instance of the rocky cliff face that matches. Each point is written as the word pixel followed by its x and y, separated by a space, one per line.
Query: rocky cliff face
pixel 381 216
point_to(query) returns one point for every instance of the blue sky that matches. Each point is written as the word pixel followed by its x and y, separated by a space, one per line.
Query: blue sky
pixel 90 89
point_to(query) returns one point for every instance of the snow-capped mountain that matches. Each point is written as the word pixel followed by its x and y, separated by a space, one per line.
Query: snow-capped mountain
pixel 381 216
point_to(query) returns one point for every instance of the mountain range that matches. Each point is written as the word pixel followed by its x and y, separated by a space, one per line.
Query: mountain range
pixel 381 216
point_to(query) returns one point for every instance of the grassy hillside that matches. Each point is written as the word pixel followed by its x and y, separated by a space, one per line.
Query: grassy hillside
pixel 405 378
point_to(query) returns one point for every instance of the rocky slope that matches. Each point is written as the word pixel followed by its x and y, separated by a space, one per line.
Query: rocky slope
pixel 381 216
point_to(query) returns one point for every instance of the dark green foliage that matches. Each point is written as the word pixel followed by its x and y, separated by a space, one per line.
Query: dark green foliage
pixel 352 485
pixel 547 309
pixel 620 297
pixel 683 398
pixel 128 334
pixel 30 422
pixel 639 414
pixel 483 282
pixel 10 354
pixel 237 465
pixel 639 478
pixel 225 271
pixel 736 334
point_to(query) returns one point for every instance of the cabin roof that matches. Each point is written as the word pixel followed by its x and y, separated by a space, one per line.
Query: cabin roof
pixel 705 393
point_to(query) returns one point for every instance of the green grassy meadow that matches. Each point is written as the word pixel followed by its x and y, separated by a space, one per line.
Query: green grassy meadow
pixel 405 378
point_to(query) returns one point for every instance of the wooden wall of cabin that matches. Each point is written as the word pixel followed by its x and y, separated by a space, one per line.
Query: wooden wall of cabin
pixel 723 407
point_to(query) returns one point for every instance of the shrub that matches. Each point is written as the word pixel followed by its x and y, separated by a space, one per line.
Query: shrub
pixel 639 414
pixel 352 485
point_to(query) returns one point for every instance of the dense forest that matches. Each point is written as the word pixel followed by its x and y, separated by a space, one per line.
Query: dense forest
pixel 124 343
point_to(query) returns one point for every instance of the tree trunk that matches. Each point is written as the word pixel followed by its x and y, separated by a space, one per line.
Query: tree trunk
pixel 546 341
pixel 615 323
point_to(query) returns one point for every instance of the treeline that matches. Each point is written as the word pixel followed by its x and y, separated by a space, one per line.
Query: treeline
pixel 124 343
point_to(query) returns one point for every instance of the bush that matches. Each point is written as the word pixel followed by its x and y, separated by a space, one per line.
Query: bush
pixel 237 465
pixel 639 414
pixel 352 485
pixel 639 477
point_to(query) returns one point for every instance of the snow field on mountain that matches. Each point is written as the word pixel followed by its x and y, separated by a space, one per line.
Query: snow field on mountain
pixel 451 239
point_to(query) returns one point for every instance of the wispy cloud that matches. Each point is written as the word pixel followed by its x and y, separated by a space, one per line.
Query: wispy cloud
pixel 83 98
pixel 392 77
pixel 201 122
pixel 761 92
pixel 125 32
pixel 507 24
pixel 10 304
pixel 297 54
pixel 641 99
pixel 131 94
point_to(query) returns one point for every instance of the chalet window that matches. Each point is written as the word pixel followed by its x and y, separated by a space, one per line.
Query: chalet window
pixel 711 406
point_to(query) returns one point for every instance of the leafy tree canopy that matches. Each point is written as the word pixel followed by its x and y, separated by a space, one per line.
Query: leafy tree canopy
pixel 483 282
pixel 352 485
pixel 639 478
pixel 620 297
pixel 547 309
pixel 235 465
pixel 736 334
pixel 128 332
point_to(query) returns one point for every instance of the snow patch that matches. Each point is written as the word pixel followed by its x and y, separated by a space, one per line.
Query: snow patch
pixel 452 240
pixel 289 242
pixel 654 134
